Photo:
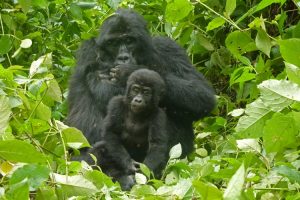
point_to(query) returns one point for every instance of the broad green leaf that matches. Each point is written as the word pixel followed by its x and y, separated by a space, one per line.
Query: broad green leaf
pixel 208 191
pixel 20 151
pixel 140 178
pixel 5 44
pixel 292 174
pixel 25 5
pixel 46 192
pixel 40 3
pixel 241 75
pixel 215 23
pixel 5 113
pixel 74 185
pixel 19 191
pixel 247 145
pixel 142 190
pixel 145 170
pixel 45 60
pixel 239 42
pixel 73 135
pixel 98 178
pixel 263 42
pixel 54 91
pixel 265 3
pixel 179 190
pixel 278 94
pixel 26 43
pixel 230 6
pixel 35 174
pixel 235 185
pixel 289 50
pixel 279 133
pixel 293 72
pixel 43 112
pixel 237 112
pixel 177 10
pixel 36 126
pixel 175 151
pixel 76 11
pixel 252 124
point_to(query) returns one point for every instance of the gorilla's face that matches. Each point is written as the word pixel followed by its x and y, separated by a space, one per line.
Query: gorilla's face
pixel 124 39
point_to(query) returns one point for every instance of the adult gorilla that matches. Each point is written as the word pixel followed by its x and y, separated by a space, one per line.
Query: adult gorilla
pixel 104 64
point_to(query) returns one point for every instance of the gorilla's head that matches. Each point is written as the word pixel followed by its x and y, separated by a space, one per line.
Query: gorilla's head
pixel 125 39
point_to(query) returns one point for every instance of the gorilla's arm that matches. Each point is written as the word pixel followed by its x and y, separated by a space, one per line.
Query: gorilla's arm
pixel 188 93
pixel 157 155
pixel 112 135
pixel 191 97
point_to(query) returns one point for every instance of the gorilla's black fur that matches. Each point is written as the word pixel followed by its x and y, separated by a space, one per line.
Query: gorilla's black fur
pixel 136 129
pixel 104 64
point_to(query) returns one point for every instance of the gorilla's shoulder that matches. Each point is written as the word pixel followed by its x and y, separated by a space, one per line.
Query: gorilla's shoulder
pixel 169 49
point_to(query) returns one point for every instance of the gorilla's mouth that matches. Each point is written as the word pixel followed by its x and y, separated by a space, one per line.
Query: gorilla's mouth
pixel 136 108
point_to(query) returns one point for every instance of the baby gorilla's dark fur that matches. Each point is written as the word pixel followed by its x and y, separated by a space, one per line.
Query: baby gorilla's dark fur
pixel 135 128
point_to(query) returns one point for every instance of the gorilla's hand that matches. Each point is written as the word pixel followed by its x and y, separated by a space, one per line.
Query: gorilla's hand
pixel 133 167
pixel 126 181
pixel 120 73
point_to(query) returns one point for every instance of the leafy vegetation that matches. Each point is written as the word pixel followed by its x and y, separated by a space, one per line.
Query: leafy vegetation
pixel 249 147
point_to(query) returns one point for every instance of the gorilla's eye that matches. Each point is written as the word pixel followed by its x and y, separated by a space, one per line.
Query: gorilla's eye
pixel 135 88
pixel 129 40
pixel 147 91
pixel 111 42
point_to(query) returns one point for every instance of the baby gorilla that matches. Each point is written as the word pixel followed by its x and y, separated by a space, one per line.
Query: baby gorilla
pixel 135 129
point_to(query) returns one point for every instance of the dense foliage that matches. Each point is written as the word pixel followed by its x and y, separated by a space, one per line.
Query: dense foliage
pixel 249 147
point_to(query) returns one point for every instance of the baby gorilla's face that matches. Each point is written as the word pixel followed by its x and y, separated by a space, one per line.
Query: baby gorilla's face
pixel 140 98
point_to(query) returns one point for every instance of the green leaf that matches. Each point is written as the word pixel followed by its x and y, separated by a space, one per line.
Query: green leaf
pixel 293 72
pixel 54 91
pixel 179 190
pixel 43 112
pixel 278 94
pixel 46 192
pixel 241 75
pixel 177 10
pixel 35 175
pixel 253 123
pixel 263 42
pixel 289 50
pixel 74 185
pixel 235 185
pixel 230 6
pixel 265 3
pixel 76 11
pixel 40 3
pixel 215 23
pixel 20 151
pixel 26 43
pixel 292 174
pixel 175 151
pixel 208 191
pixel 142 190
pixel 239 42
pixel 145 170
pixel 140 178
pixel 5 113
pixel 45 60
pixel 74 138
pixel 36 126
pixel 19 191
pixel 5 44
pixel 25 5
pixel 279 133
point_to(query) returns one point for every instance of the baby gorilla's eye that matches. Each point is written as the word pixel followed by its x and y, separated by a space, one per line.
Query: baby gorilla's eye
pixel 129 40
pixel 147 91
